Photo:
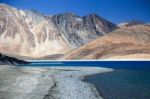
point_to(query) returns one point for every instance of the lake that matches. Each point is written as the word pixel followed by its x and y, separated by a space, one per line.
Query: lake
pixel 130 80
pixel 140 65
pixel 122 84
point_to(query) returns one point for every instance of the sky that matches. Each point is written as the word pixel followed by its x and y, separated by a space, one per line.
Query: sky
pixel 116 11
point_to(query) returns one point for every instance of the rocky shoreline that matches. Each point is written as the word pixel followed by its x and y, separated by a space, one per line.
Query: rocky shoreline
pixel 48 82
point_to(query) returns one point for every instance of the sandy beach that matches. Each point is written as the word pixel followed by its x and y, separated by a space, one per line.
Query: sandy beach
pixel 48 82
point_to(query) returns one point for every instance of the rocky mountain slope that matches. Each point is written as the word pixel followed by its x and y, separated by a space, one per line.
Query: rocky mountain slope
pixel 80 30
pixel 127 42
pixel 6 60
pixel 29 33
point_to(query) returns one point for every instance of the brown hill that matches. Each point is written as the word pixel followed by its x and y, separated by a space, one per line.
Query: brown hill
pixel 130 42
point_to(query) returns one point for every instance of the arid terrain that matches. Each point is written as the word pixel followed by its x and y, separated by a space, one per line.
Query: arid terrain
pixel 131 42
pixel 32 34
pixel 28 34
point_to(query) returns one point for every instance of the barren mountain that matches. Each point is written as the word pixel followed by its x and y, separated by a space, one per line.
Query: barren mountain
pixel 129 42
pixel 29 33
pixel 80 30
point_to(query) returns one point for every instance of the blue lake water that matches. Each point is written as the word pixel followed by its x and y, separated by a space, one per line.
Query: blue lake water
pixel 138 65
pixel 130 80
pixel 122 84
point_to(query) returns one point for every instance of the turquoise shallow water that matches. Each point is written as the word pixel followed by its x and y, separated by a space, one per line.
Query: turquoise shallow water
pixel 122 84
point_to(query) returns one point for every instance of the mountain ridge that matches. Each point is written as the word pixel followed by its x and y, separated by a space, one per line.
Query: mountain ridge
pixel 130 42
pixel 30 33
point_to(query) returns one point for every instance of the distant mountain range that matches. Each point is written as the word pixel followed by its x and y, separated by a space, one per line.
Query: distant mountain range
pixel 69 36
pixel 30 33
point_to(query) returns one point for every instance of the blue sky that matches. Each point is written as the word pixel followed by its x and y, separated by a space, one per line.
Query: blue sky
pixel 114 10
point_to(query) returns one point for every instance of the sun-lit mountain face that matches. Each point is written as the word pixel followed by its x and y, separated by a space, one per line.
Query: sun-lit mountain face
pixel 131 42
pixel 29 33
pixel 69 36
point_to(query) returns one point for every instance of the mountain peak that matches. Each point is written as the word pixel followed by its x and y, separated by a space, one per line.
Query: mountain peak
pixel 94 16
pixel 99 23
pixel 38 35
